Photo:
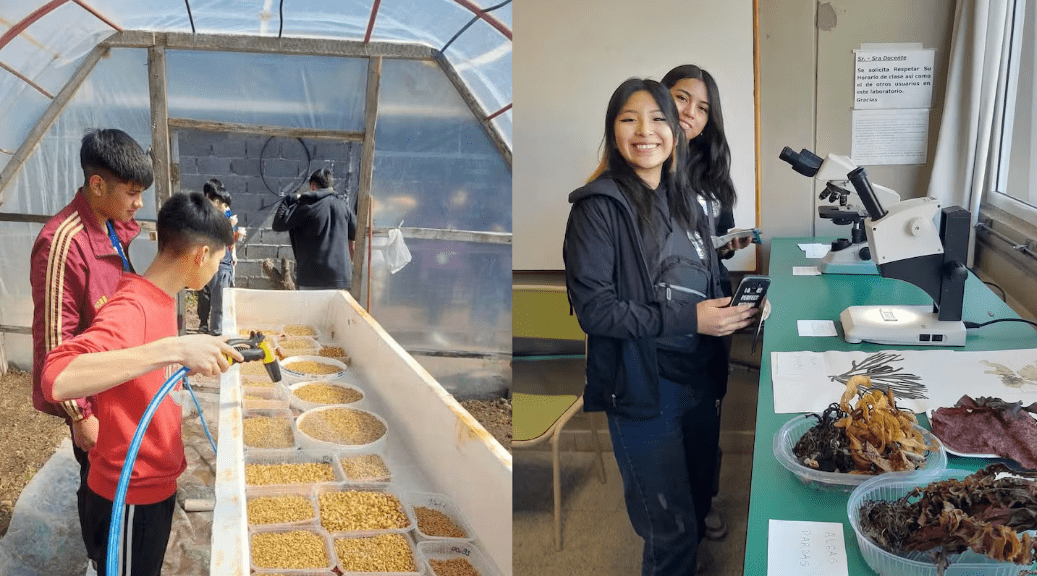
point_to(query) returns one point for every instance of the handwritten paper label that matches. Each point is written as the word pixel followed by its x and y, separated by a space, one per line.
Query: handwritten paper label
pixel 797 548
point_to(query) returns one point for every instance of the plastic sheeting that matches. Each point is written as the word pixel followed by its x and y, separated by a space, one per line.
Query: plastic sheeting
pixel 115 95
pixel 434 165
pixel 51 49
pixel 267 89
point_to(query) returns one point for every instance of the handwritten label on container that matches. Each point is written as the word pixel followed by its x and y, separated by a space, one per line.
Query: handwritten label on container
pixel 797 548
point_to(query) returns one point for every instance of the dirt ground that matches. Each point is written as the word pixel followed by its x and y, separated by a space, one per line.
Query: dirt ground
pixel 28 438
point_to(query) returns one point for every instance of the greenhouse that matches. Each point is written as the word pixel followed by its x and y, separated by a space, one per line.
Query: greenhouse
pixel 407 103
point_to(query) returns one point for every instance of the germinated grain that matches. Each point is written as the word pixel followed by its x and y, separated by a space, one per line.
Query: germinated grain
pixel 453 567
pixel 279 509
pixel 253 369
pixel 432 522
pixel 256 381
pixel 342 426
pixel 296 473
pixel 298 344
pixel 383 553
pixel 355 510
pixel 294 550
pixel 299 330
pixel 312 367
pixel 267 432
pixel 336 352
pixel 365 467
pixel 327 394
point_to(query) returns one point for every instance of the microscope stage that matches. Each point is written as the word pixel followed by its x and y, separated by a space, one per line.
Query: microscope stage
pixel 900 326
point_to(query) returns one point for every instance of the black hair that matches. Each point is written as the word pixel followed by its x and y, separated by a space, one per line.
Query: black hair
pixel 189 219
pixel 674 175
pixel 112 153
pixel 322 178
pixel 709 156
pixel 214 190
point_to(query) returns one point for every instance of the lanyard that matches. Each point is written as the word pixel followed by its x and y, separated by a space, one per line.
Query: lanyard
pixel 118 246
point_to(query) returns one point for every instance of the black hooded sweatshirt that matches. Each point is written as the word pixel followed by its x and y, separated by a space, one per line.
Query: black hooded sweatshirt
pixel 320 225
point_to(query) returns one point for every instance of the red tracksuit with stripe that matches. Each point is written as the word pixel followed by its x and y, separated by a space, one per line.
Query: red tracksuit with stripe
pixel 74 270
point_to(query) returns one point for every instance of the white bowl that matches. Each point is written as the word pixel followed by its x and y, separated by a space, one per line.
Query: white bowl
pixel 785 439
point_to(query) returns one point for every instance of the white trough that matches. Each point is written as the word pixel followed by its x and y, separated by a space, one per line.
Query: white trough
pixel 447 451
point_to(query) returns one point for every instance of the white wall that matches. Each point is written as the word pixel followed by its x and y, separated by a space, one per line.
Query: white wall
pixel 570 55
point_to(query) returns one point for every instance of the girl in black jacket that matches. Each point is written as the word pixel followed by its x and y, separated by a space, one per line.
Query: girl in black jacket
pixel 644 284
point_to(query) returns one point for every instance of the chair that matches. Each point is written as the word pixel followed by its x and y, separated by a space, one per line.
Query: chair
pixel 538 417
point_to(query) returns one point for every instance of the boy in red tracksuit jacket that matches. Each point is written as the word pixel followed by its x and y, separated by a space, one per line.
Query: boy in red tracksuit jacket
pixel 76 262
pixel 124 358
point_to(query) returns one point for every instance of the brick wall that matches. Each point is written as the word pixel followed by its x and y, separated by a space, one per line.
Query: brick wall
pixel 256 170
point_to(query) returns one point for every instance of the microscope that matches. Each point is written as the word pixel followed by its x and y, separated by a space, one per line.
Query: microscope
pixel 905 244
pixel 847 255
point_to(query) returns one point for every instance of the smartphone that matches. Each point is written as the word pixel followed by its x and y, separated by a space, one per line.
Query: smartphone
pixel 751 290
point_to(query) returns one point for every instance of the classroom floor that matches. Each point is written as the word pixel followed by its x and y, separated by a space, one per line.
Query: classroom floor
pixel 596 534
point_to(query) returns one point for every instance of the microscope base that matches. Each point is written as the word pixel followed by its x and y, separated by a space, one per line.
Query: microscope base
pixel 847 261
pixel 900 326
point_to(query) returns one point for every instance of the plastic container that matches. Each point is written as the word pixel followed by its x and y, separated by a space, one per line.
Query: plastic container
pixel 270 397
pixel 443 550
pixel 297 346
pixel 313 417
pixel 785 439
pixel 302 490
pixel 285 416
pixel 268 330
pixel 292 330
pixel 892 486
pixel 366 480
pixel 443 505
pixel 291 376
pixel 415 555
pixel 322 490
pixel 329 549
pixel 300 404
pixel 294 457
pixel 331 349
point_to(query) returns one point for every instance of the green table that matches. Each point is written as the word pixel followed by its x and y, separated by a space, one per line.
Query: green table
pixel 775 492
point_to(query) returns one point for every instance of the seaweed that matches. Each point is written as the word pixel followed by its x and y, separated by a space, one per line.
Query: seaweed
pixel 984 512
pixel 824 446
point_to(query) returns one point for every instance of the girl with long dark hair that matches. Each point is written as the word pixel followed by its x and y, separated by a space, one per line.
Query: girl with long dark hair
pixel 644 284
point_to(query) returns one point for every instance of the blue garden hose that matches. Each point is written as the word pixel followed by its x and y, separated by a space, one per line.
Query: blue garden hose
pixel 115 529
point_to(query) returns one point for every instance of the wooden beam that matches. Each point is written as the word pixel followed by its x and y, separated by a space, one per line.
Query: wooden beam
pixel 374 81
pixel 269 45
pixel 450 235
pixel 160 148
pixel 32 140
pixel 480 114
pixel 12 217
pixel 282 131
pixel 15 329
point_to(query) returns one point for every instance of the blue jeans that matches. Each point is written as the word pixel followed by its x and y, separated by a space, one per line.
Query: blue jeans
pixel 223 278
pixel 668 464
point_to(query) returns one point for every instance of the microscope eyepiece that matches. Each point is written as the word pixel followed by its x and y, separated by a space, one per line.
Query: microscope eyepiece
pixel 805 162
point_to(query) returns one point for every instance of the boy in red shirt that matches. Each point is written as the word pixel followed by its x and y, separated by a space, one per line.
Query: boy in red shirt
pixel 124 357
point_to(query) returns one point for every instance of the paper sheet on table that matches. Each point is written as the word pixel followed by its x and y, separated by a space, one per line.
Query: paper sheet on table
pixel 805 271
pixel 921 379
pixel 815 250
pixel 800 548
pixel 816 328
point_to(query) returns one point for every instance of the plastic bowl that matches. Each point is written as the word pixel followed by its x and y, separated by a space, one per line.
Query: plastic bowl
pixel 443 550
pixel 892 486
pixel 341 489
pixel 303 405
pixel 309 417
pixel 785 439
pixel 419 561
pixel 292 376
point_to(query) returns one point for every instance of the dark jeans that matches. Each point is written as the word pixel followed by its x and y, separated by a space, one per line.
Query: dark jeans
pixel 223 278
pixel 668 464
pixel 84 471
